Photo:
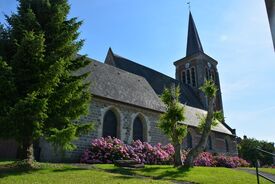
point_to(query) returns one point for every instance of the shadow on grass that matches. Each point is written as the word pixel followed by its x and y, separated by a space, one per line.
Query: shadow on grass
pixel 152 172
pixel 11 170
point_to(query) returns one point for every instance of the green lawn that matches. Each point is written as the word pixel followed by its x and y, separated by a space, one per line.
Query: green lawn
pixel 60 173
pixel 107 173
pixel 203 175
pixel 267 170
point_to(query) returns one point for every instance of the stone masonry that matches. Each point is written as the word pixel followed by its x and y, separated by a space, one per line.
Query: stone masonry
pixel 126 114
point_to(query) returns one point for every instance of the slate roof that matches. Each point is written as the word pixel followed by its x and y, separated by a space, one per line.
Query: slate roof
pixel 116 84
pixel 192 119
pixel 193 40
pixel 157 80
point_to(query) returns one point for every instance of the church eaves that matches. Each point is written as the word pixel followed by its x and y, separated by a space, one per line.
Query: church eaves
pixel 193 40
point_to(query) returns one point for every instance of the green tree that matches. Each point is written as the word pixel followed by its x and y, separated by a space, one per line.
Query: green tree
pixel 171 121
pixel 211 119
pixel 247 149
pixel 42 96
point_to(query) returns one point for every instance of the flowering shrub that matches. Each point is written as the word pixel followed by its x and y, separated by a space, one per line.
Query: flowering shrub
pixel 148 154
pixel 106 150
pixel 204 159
pixel 240 162
pixel 227 161
pixel 224 161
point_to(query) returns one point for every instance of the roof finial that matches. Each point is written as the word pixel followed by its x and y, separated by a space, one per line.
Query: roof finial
pixel 189 5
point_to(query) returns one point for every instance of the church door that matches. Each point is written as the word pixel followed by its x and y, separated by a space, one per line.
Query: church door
pixel 110 124
pixel 138 130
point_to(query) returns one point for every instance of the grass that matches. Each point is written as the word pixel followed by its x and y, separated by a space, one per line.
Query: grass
pixel 61 173
pixel 107 173
pixel 267 170
pixel 203 175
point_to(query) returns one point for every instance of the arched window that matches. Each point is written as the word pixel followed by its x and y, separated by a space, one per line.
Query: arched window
pixel 110 125
pixel 138 130
pixel 207 73
pixel 183 77
pixel 193 76
pixel 209 143
pixel 188 77
pixel 189 140
pixel 213 75
pixel 226 145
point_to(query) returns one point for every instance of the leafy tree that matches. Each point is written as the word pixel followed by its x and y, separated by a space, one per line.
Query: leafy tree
pixel 43 97
pixel 247 149
pixel 211 119
pixel 170 121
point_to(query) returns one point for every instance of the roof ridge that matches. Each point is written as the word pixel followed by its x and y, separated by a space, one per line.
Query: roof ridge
pixel 116 68
pixel 116 55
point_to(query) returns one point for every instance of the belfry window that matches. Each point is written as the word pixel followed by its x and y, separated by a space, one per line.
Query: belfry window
pixel 207 73
pixel 188 77
pixel 183 77
pixel 110 124
pixel 213 75
pixel 138 130
pixel 193 76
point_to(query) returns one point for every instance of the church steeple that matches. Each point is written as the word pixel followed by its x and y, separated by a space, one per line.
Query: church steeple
pixel 193 39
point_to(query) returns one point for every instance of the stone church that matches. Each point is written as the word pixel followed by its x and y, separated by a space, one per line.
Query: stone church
pixel 126 102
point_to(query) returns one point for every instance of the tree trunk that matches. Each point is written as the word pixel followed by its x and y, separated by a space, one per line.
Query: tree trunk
pixel 192 155
pixel 177 155
pixel 27 146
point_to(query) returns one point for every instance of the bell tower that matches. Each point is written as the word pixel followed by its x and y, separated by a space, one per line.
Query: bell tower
pixel 196 66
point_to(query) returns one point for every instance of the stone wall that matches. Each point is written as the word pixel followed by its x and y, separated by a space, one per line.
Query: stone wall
pixel 218 142
pixel 126 115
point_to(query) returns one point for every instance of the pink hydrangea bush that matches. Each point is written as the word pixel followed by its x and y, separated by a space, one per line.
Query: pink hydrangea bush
pixel 207 159
pixel 224 161
pixel 204 159
pixel 106 150
pixel 143 152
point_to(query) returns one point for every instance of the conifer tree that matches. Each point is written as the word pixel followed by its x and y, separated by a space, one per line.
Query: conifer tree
pixel 43 95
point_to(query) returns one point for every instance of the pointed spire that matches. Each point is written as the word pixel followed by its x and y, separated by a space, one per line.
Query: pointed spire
pixel 193 39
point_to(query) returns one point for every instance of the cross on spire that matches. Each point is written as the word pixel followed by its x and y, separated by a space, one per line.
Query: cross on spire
pixel 189 5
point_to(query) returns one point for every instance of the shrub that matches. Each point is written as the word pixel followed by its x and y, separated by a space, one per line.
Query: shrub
pixel 106 150
pixel 204 159
pixel 224 161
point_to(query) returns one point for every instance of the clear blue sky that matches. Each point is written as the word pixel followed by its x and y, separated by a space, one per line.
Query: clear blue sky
pixel 153 33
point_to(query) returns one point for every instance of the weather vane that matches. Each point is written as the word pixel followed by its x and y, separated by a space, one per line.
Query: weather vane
pixel 189 5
